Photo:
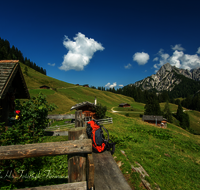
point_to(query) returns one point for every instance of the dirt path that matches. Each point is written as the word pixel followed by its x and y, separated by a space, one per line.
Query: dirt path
pixel 124 111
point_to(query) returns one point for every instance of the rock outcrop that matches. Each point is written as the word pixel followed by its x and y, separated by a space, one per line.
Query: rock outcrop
pixel 167 77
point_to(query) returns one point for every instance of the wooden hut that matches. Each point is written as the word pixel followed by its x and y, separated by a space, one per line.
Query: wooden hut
pixel 156 120
pixel 12 85
pixel 45 87
pixel 85 85
pixel 88 109
pixel 124 105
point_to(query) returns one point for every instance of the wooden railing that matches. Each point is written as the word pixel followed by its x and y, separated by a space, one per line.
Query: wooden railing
pixel 79 151
pixel 105 121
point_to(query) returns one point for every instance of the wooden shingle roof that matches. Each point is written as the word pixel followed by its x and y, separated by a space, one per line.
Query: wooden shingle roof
pixel 82 104
pixel 44 86
pixel 10 72
pixel 152 118
pixel 122 104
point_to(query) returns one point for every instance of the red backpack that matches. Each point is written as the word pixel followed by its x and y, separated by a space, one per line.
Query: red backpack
pixel 99 143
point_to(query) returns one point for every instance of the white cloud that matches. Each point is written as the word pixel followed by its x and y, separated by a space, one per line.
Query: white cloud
pixel 155 66
pixel 108 85
pixel 155 59
pixel 177 47
pixel 53 64
pixel 121 85
pixel 141 58
pixel 81 51
pixel 175 58
pixel 198 51
pixel 190 61
pixel 162 58
pixel 179 60
pixel 128 66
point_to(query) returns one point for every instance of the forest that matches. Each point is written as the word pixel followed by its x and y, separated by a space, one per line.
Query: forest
pixel 12 53
pixel 191 99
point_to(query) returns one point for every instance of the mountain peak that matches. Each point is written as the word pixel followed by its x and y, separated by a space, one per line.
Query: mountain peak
pixel 164 68
pixel 166 78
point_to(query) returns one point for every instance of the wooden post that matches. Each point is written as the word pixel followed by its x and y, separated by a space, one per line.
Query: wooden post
pixel 79 119
pixel 90 171
pixel 77 162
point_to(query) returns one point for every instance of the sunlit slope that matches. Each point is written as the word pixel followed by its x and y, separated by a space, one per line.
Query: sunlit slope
pixel 194 120
pixel 173 154
pixel 35 79
pixel 66 95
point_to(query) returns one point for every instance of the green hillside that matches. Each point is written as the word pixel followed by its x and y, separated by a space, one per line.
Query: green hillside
pixel 170 156
pixel 65 95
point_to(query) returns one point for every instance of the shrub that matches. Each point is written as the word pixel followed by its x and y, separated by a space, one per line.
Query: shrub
pixel 28 129
pixel 100 111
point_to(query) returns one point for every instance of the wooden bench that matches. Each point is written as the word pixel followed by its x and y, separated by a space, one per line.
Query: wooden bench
pixel 107 175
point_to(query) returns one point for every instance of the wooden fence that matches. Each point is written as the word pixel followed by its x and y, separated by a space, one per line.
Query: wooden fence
pixel 79 151
pixel 105 121
pixel 73 116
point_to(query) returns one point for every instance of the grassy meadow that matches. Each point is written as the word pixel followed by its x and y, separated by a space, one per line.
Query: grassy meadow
pixel 170 156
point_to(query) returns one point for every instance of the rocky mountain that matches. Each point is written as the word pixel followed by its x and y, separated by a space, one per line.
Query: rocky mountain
pixel 167 78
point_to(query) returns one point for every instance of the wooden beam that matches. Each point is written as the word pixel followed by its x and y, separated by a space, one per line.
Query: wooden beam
pixel 90 171
pixel 107 174
pixel 69 186
pixel 45 149
pixel 68 116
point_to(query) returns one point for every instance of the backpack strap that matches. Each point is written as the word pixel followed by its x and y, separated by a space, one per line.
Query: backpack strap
pixel 106 131
pixel 111 145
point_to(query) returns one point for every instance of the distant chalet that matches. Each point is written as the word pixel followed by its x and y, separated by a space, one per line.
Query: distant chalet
pixel 124 105
pixel 12 85
pixel 44 87
pixel 154 119
pixel 85 85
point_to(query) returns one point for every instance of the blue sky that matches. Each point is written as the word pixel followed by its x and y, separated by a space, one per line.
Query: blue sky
pixel 103 43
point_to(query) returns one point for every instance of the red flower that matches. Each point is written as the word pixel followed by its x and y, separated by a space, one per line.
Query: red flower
pixel 17 111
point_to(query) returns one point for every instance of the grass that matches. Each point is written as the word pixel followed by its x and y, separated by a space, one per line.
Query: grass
pixel 35 92
pixel 173 154
pixel 62 125
pixel 194 120
pixel 173 107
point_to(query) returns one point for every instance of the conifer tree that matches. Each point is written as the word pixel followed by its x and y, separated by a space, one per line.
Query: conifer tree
pixel 183 117
pixel 179 113
pixel 152 106
pixel 167 113
pixel 185 123
pixel 26 70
